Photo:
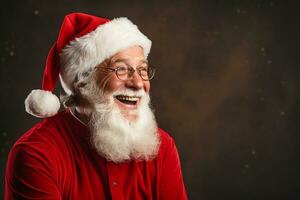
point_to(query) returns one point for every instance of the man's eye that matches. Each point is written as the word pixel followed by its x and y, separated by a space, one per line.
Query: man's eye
pixel 143 68
pixel 122 69
pixel 143 71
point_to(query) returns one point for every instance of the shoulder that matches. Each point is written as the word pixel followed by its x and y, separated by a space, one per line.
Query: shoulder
pixel 166 138
pixel 44 138
pixel 41 132
pixel 40 147
pixel 166 142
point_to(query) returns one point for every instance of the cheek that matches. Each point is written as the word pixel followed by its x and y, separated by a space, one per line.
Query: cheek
pixel 113 84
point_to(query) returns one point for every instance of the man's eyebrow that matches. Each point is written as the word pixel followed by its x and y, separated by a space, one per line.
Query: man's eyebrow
pixel 119 60
pixel 125 60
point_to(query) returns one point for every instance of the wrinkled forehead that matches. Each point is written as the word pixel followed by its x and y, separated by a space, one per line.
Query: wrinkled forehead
pixel 134 54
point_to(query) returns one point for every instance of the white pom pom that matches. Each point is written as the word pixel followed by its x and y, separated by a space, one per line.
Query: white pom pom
pixel 42 104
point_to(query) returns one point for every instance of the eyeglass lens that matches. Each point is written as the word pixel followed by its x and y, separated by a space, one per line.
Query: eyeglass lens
pixel 125 73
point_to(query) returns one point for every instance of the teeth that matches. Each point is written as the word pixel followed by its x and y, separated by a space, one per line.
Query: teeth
pixel 128 98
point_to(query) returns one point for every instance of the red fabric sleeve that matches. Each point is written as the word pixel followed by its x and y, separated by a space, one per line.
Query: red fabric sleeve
pixel 28 176
pixel 171 183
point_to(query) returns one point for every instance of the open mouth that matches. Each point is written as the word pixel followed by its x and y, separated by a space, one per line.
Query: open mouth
pixel 128 100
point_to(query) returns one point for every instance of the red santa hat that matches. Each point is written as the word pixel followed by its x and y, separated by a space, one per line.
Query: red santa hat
pixel 84 41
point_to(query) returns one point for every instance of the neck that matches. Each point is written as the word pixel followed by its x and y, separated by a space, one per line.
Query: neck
pixel 80 115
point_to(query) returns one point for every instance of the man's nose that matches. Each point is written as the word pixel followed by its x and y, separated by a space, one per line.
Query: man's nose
pixel 135 82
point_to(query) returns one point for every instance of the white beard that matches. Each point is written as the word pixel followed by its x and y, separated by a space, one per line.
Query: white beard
pixel 118 139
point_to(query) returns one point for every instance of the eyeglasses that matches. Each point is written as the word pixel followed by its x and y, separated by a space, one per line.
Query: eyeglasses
pixel 125 73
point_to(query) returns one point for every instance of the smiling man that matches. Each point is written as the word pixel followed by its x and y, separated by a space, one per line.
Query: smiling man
pixel 105 144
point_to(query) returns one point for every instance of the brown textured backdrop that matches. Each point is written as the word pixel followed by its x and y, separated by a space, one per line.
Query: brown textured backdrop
pixel 226 88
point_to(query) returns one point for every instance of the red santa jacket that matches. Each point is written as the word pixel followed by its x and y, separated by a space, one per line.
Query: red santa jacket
pixel 54 160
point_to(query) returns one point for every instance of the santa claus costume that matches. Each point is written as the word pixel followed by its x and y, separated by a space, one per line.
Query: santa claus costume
pixel 54 159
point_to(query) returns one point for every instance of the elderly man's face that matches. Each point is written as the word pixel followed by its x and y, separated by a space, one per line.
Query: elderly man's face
pixel 130 57
pixel 117 108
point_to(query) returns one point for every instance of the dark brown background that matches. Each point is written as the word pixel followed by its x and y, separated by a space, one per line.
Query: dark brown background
pixel 226 88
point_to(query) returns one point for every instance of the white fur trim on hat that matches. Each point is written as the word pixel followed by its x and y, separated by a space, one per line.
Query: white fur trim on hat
pixel 86 52
pixel 42 104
